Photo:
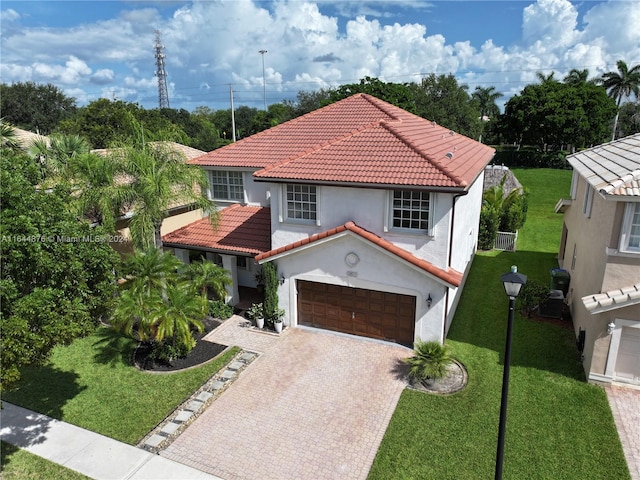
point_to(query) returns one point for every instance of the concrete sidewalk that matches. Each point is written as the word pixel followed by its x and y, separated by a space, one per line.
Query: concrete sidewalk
pixel 89 453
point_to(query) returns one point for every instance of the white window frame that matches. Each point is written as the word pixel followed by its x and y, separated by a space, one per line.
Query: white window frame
pixel 390 213
pixel 314 214
pixel 574 184
pixel 627 224
pixel 228 174
pixel 588 200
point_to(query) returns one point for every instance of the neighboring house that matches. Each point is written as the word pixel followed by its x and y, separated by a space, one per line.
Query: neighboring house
pixel 370 214
pixel 600 248
pixel 26 138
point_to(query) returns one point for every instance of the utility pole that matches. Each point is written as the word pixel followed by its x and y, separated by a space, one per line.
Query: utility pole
pixel 264 85
pixel 163 95
pixel 233 115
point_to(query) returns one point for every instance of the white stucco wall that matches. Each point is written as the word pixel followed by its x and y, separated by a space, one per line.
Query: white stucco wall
pixel 324 262
pixel 368 208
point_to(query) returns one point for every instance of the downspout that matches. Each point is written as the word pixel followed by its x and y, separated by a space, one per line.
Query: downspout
pixel 446 289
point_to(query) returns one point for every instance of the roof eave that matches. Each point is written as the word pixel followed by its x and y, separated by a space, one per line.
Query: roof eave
pixel 395 186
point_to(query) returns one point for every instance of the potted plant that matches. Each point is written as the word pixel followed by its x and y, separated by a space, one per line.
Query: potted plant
pixel 429 362
pixel 256 312
pixel 277 320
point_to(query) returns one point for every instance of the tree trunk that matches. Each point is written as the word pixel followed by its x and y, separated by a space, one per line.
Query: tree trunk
pixel 157 238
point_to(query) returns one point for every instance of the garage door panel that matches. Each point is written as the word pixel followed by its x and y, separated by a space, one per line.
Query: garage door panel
pixel 357 311
pixel 628 360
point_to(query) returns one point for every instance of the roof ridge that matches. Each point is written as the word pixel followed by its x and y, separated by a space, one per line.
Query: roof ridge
pixel 446 171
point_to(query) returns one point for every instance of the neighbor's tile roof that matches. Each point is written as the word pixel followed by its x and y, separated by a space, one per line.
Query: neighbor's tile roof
pixel 450 276
pixel 613 299
pixel 611 168
pixel 26 138
pixel 361 140
pixel 240 228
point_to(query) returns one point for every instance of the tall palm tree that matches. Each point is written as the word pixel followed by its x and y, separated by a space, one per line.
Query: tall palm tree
pixel 486 100
pixel 576 76
pixel 205 276
pixel 160 180
pixel 546 78
pixel 621 84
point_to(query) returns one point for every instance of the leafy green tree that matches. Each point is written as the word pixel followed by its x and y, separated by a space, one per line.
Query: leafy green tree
pixel 622 84
pixel 629 119
pixel 395 93
pixel 35 107
pixel 440 98
pixel 307 101
pixel 57 280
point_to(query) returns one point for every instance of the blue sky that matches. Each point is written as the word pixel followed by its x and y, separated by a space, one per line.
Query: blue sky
pixel 93 49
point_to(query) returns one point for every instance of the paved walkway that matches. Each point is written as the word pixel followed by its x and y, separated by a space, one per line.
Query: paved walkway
pixel 625 406
pixel 87 452
pixel 314 405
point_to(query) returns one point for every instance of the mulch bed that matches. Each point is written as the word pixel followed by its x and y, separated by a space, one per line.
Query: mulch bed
pixel 201 353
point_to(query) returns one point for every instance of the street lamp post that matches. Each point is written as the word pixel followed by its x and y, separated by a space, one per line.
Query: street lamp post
pixel 264 85
pixel 512 282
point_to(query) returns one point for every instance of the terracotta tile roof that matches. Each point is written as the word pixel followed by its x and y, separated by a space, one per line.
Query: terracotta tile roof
pixel 242 229
pixel 612 168
pixel 361 140
pixel 450 276
pixel 613 299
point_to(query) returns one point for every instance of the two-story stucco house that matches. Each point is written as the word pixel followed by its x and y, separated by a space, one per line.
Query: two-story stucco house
pixel 600 248
pixel 370 214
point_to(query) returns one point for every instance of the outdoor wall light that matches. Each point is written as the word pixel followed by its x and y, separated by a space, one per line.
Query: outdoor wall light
pixel 281 279
pixel 610 328
pixel 429 301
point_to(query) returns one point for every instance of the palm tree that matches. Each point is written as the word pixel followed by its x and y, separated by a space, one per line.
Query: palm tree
pixel 576 76
pixel 546 78
pixel 102 195
pixel 136 314
pixel 486 100
pixel 494 198
pixel 8 136
pixel 430 361
pixel 150 270
pixel 160 180
pixel 180 311
pixel 55 153
pixel 621 84
pixel 207 275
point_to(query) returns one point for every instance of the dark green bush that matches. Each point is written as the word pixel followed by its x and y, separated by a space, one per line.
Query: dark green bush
pixel 489 222
pixel 532 294
pixel 219 309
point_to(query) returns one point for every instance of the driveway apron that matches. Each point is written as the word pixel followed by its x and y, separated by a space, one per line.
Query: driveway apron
pixel 314 405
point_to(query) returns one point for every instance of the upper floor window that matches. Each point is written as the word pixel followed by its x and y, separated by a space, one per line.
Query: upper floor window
pixel 226 185
pixel 301 203
pixel 410 210
pixel 630 238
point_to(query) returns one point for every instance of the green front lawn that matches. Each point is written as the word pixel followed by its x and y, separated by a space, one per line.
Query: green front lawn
pixel 92 384
pixel 19 464
pixel 558 426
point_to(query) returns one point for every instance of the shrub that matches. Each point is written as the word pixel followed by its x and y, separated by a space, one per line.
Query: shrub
pixel 169 350
pixel 430 361
pixel 532 294
pixel 489 222
pixel 513 217
pixel 219 309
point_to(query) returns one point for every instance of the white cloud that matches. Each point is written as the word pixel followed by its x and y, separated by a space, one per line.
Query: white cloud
pixel 216 43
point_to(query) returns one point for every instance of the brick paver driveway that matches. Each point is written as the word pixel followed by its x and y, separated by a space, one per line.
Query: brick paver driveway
pixel 314 405
pixel 625 406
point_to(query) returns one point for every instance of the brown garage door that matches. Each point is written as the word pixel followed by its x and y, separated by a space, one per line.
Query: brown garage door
pixel 369 313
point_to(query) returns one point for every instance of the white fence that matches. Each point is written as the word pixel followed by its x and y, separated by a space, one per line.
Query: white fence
pixel 506 241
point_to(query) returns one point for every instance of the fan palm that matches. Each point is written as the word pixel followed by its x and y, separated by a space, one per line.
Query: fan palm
pixel 621 84
pixel 429 361
pixel 55 152
pixel 204 276
pixel 8 136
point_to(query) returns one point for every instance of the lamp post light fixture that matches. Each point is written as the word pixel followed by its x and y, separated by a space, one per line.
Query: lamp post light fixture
pixel 513 282
pixel 264 85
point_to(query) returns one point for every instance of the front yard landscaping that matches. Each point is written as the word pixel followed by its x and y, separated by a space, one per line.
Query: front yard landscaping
pixel 92 384
pixel 558 426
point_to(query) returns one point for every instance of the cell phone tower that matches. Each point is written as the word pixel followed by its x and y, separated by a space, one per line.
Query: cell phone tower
pixel 161 73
